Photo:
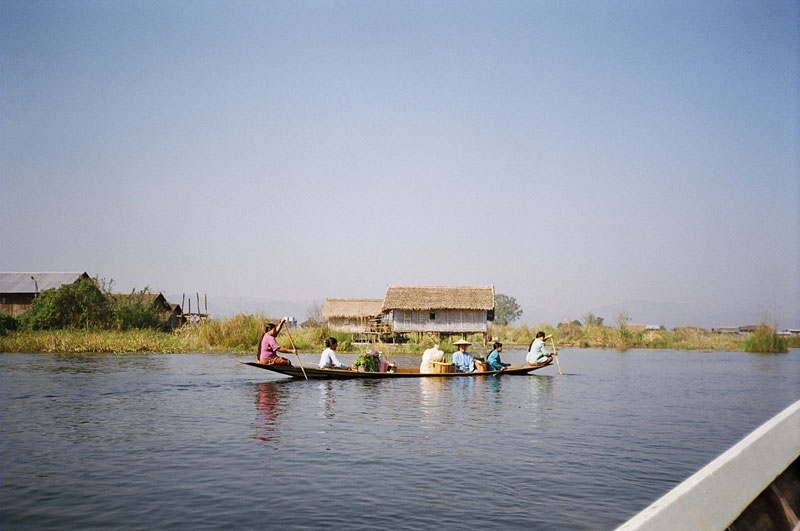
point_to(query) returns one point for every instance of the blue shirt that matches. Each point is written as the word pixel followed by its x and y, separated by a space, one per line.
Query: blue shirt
pixel 463 361
pixel 494 363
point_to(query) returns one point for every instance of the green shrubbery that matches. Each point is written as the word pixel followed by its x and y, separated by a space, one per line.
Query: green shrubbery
pixel 77 305
pixel 134 311
pixel 7 324
pixel 765 340
pixel 83 305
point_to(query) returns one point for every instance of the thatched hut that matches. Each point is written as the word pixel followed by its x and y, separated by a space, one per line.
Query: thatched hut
pixel 352 315
pixel 441 310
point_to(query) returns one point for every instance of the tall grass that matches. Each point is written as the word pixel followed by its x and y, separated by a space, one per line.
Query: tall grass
pixel 91 340
pixel 765 340
pixel 241 334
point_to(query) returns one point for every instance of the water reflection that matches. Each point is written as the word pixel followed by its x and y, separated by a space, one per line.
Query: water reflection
pixel 541 389
pixel 327 397
pixel 269 398
pixel 542 397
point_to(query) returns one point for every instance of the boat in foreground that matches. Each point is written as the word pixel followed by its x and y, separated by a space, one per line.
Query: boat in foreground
pixel 344 374
pixel 753 485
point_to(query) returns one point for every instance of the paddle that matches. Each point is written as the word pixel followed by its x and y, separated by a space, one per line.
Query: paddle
pixel 555 353
pixel 295 352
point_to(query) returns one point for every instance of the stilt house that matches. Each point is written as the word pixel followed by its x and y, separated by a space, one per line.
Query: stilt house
pixel 441 310
pixel 352 315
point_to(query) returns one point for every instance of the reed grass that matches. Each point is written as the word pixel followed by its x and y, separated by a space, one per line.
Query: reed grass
pixel 92 340
pixel 241 333
pixel 765 340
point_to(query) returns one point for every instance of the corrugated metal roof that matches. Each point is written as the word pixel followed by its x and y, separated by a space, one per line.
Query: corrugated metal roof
pixel 23 283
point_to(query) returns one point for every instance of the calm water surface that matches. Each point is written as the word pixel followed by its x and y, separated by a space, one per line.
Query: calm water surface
pixel 200 441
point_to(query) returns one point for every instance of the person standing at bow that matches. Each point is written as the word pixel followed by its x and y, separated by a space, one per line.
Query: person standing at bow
pixel 269 347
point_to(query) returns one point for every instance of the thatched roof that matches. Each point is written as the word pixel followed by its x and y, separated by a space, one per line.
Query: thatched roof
pixel 352 308
pixel 439 298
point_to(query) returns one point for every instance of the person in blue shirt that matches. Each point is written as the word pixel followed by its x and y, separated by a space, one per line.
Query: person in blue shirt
pixel 493 361
pixel 463 359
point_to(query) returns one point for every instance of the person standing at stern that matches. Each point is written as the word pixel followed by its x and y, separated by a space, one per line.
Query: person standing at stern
pixel 461 358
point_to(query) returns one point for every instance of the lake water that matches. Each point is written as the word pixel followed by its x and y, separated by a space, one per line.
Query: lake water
pixel 200 441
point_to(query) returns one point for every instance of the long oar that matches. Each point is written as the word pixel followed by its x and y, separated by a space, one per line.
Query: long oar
pixel 555 353
pixel 295 352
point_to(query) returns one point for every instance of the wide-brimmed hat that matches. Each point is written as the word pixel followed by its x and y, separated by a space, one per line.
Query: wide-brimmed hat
pixel 462 342
pixel 373 352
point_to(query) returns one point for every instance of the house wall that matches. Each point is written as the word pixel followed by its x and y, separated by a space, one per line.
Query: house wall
pixel 466 321
pixel 15 304
pixel 349 324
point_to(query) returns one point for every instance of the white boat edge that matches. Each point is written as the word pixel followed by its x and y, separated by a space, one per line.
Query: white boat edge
pixel 715 496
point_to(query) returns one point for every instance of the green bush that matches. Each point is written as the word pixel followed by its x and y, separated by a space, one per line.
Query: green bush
pixel 135 311
pixel 77 305
pixel 765 340
pixel 7 324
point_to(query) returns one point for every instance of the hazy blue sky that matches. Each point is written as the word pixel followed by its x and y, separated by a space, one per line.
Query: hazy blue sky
pixel 580 156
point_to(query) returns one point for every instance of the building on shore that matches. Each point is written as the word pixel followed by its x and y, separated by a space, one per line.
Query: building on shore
pixel 353 315
pixel 17 290
pixel 749 329
pixel 440 311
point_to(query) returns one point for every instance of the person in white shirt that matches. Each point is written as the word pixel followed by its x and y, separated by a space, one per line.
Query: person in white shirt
pixel 328 358
pixel 536 353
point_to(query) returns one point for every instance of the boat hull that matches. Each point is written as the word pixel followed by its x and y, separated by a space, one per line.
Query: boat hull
pixel 316 373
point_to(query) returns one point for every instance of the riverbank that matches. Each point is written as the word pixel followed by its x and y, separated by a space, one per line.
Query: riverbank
pixel 241 333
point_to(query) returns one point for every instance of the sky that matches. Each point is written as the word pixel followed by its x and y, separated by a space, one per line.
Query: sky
pixel 582 157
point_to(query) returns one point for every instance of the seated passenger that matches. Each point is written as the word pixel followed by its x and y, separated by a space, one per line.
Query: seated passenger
pixel 536 352
pixel 328 358
pixel 461 358
pixel 493 361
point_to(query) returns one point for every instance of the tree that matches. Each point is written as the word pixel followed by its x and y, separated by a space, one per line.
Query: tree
pixel 506 309
pixel 315 317
pixel 592 319
pixel 77 305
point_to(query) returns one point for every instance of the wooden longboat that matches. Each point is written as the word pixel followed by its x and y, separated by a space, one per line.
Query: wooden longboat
pixel 314 372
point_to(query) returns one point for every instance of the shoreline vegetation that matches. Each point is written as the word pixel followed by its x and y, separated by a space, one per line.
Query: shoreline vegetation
pixel 240 334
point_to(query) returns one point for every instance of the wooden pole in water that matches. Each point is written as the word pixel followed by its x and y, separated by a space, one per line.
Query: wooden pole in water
pixel 295 351
pixel 555 353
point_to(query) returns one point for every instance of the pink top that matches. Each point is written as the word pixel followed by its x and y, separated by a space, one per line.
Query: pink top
pixel 269 347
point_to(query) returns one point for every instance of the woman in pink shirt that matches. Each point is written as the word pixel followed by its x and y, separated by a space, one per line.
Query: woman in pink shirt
pixel 269 347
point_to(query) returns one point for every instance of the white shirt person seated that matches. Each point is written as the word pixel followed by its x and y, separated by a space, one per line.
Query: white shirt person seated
pixel 328 359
